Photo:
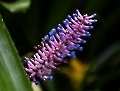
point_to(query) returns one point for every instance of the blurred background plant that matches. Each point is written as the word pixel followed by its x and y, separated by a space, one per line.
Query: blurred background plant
pixel 97 67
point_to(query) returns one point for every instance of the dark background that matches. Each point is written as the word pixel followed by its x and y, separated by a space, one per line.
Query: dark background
pixel 27 29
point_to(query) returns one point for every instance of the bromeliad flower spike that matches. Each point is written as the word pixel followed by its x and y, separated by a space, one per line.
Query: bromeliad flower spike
pixel 59 44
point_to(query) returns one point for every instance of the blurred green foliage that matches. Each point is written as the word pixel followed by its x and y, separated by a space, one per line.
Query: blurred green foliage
pixel 101 52
pixel 16 6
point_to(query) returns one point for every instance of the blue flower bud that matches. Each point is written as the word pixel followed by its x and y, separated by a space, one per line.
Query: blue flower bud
pixel 52 38
pixel 87 34
pixel 59 25
pixel 65 22
pixel 83 41
pixel 46 37
pixel 77 10
pixel 59 29
pixel 78 47
pixel 94 14
pixel 72 54
pixel 95 20
pixel 63 55
pixel 50 78
pixel 69 47
pixel 69 17
pixel 91 27
pixel 37 82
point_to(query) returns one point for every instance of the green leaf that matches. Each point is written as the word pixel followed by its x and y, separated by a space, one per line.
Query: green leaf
pixel 12 74
pixel 17 6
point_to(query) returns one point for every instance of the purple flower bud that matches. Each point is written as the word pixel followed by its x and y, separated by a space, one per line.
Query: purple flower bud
pixel 59 45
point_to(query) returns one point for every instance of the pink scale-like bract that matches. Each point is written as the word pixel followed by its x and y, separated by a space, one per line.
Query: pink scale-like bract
pixel 59 44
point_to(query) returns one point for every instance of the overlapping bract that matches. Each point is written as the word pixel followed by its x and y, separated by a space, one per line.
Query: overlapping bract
pixel 59 44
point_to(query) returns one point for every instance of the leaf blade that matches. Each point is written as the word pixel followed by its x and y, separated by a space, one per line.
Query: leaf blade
pixel 13 77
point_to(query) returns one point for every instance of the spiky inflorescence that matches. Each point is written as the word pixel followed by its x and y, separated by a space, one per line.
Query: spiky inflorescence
pixel 59 44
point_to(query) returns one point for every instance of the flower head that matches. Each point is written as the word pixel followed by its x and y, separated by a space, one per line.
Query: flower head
pixel 59 44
